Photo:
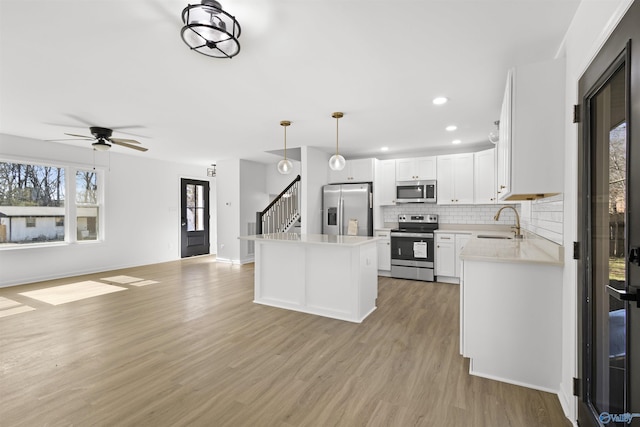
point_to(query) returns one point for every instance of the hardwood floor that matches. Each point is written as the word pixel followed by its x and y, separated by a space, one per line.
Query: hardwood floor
pixel 194 350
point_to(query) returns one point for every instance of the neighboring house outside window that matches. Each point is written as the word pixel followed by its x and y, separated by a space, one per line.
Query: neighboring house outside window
pixel 32 204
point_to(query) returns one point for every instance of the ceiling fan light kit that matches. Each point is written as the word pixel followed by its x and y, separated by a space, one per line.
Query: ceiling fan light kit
pixel 101 145
pixel 209 30
pixel 285 166
pixel 337 162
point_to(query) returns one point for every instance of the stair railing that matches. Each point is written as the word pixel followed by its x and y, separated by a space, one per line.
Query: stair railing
pixel 282 212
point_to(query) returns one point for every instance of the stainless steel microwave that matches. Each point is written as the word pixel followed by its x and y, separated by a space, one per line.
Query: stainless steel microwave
pixel 416 191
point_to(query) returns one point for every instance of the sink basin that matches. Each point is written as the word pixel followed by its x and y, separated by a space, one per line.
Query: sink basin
pixel 492 236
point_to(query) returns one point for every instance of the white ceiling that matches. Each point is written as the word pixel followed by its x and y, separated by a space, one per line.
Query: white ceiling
pixel 67 64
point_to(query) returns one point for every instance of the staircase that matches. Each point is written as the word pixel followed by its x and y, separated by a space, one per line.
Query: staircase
pixel 282 213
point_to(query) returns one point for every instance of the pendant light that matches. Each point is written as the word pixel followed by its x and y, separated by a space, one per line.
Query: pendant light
pixel 285 165
pixel 337 162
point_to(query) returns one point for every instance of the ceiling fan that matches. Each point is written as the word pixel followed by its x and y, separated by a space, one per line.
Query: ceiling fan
pixel 103 140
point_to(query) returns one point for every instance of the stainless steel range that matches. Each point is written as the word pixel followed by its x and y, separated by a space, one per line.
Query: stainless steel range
pixel 412 247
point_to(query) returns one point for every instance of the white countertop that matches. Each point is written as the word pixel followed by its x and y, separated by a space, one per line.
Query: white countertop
pixel 313 239
pixel 528 250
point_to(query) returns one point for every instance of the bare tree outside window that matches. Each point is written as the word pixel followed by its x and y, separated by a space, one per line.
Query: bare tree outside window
pixel 27 192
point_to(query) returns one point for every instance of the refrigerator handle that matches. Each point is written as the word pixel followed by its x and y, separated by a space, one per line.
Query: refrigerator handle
pixel 340 216
pixel 370 200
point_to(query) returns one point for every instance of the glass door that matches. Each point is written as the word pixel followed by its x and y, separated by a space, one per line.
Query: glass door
pixel 609 219
pixel 194 217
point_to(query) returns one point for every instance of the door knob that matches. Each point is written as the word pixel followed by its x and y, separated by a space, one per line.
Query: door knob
pixel 634 256
pixel 183 222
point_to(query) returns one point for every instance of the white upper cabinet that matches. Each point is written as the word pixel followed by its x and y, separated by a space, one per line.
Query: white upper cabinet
pixel 531 147
pixel 455 179
pixel 385 183
pixel 416 169
pixel 359 170
pixel 485 177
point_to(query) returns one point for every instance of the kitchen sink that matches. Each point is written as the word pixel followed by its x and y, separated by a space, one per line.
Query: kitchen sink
pixel 492 236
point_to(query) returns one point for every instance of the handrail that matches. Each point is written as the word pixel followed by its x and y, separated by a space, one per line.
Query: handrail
pixel 296 179
pixel 282 212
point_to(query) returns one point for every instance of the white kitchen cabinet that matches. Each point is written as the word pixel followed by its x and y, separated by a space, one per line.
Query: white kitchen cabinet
pixel 385 183
pixel 359 170
pixel 484 182
pixel 384 252
pixel 455 179
pixel 531 145
pixel 416 169
pixel 445 255
pixel 448 248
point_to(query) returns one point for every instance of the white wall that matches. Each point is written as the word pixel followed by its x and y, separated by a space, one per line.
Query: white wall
pixel 314 175
pixel 253 198
pixel 276 182
pixel 241 192
pixel 454 214
pixel 142 213
pixel 593 23
pixel 228 207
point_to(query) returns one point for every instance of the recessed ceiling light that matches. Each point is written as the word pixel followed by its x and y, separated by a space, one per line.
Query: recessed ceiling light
pixel 440 100
pixel 451 128
pixel 384 149
pixel 456 141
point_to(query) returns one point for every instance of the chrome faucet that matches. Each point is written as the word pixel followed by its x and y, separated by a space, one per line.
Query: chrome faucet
pixel 517 227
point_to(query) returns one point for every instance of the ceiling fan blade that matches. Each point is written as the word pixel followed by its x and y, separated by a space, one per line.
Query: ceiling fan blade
pixel 126 141
pixel 123 144
pixel 64 139
pixel 80 119
pixel 81 136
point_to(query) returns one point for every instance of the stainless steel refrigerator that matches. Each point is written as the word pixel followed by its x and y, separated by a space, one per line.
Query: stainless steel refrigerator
pixel 347 209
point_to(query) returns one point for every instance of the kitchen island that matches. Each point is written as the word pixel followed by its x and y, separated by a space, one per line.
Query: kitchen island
pixel 326 275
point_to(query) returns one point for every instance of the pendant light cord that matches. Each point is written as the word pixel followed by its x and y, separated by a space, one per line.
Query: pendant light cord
pixel 337 118
pixel 285 142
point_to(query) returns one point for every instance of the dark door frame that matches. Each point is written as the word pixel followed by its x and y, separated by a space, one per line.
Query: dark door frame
pixel 616 52
pixel 194 243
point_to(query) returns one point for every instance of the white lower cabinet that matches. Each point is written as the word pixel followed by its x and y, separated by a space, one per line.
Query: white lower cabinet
pixel 509 317
pixel 384 252
pixel 448 248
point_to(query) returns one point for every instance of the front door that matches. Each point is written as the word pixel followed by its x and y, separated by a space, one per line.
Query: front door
pixel 194 217
pixel 609 220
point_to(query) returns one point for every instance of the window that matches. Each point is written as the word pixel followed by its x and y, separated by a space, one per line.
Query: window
pixel 87 207
pixel 28 191
pixel 195 207
pixel 33 209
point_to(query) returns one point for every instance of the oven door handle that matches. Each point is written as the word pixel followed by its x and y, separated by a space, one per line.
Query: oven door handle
pixel 419 235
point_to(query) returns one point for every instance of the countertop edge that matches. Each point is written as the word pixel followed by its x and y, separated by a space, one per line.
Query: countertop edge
pixel 259 239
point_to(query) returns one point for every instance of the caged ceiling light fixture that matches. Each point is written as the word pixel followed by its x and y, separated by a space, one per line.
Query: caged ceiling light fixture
pixel 337 162
pixel 285 165
pixel 209 30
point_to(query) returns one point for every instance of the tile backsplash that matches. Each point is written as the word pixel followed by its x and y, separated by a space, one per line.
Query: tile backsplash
pixel 454 214
pixel 543 217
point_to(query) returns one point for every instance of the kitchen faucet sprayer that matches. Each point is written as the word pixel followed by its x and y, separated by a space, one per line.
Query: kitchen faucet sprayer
pixel 517 226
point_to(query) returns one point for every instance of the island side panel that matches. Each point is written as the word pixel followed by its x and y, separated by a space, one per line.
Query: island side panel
pixel 512 322
pixel 279 274
pixel 368 279
pixel 330 289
